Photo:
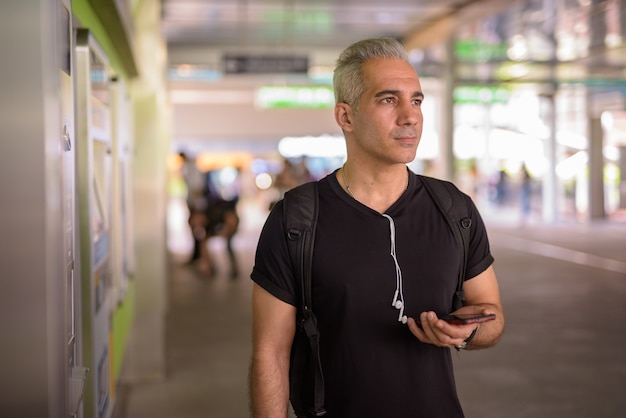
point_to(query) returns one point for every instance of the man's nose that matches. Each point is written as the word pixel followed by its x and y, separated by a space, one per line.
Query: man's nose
pixel 410 114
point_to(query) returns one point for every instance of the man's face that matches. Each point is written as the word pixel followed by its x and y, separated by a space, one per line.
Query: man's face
pixel 388 123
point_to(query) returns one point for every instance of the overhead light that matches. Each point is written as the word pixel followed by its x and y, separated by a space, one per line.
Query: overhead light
pixel 189 72
pixel 327 146
pixel 321 74
pixel 570 167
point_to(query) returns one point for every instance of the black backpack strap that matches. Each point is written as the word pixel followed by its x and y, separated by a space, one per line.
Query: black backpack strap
pixel 450 202
pixel 300 215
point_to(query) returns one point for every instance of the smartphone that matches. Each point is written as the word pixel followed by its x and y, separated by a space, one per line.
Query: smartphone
pixel 464 319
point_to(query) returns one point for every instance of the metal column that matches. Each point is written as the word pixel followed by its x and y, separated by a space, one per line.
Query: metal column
pixel 550 184
pixel 596 169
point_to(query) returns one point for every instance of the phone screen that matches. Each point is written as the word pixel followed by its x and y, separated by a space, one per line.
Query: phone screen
pixel 461 319
pixel 464 319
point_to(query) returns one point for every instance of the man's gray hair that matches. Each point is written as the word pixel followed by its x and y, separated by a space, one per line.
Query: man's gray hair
pixel 348 76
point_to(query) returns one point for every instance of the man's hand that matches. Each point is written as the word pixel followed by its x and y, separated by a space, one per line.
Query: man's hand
pixel 438 332
pixel 482 296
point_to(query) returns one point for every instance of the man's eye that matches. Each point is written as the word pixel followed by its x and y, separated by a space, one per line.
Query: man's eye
pixel 388 100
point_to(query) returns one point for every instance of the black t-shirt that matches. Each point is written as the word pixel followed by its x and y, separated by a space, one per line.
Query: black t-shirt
pixel 373 366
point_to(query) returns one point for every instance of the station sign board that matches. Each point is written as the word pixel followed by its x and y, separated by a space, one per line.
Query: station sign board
pixel 265 64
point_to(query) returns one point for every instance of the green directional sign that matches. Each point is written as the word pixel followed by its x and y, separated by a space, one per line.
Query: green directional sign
pixel 302 97
pixel 481 94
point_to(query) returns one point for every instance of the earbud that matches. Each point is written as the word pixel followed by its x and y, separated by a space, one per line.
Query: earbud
pixel 395 298
pixel 398 304
pixel 401 315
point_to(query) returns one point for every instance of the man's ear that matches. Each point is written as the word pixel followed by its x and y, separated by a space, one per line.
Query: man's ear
pixel 343 116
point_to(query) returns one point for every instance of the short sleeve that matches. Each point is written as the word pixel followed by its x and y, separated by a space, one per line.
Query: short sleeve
pixel 272 266
pixel 479 255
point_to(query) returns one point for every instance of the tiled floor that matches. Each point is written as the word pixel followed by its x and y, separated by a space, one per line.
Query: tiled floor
pixel 562 355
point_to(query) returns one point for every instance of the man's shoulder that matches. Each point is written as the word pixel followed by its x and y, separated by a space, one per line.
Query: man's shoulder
pixel 433 180
pixel 305 193
pixel 441 185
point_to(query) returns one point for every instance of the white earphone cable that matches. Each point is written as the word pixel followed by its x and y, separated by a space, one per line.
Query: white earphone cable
pixel 398 297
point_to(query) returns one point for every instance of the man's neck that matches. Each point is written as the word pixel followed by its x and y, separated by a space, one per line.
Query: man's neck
pixel 377 189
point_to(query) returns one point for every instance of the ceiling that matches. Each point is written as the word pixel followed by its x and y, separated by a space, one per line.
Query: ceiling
pixel 200 34
pixel 284 24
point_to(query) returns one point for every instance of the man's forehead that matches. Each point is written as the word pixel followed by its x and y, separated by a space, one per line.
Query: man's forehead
pixel 391 74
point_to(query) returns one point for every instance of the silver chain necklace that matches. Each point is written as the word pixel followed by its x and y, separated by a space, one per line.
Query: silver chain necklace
pixel 345 180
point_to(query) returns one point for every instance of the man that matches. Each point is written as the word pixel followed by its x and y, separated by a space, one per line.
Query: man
pixel 196 202
pixel 376 360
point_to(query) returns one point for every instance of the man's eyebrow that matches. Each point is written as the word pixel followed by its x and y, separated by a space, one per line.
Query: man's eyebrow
pixel 397 93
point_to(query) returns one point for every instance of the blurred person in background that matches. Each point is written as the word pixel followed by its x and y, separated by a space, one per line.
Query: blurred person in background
pixel 219 219
pixel 196 202
pixel 285 180
pixel 525 195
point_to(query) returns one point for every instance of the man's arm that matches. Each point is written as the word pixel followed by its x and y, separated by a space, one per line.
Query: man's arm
pixel 482 296
pixel 273 328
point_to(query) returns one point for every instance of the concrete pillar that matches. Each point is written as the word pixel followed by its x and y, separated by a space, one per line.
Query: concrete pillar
pixel 446 141
pixel 146 359
pixel 622 169
pixel 550 184
pixel 596 169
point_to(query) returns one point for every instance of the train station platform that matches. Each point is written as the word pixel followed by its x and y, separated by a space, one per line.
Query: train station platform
pixel 562 354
